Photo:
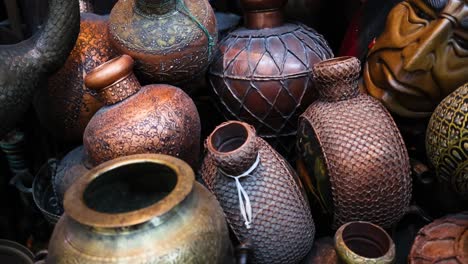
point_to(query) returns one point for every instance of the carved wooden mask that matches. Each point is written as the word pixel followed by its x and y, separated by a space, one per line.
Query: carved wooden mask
pixel 421 57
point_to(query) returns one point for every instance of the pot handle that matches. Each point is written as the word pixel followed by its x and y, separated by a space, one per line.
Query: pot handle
pixel 18 182
pixel 41 256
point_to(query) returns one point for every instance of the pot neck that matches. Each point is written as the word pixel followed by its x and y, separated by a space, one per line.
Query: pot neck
pixel 264 19
pixel 120 90
pixel 156 7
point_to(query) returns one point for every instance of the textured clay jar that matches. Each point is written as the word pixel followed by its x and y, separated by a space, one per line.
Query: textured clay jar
pixel 172 41
pixel 447 141
pixel 140 209
pixel 356 166
pixel 136 120
pixel 66 106
pixel 277 201
pixel 444 241
pixel 261 73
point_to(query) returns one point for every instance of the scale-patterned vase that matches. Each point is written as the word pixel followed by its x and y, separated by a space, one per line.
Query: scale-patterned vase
pixel 444 241
pixel 261 73
pixel 447 140
pixel 356 166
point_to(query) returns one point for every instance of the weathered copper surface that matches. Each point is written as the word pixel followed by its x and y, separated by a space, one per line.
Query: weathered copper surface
pixel 66 106
pixel 356 164
pixel 261 72
pixel 139 209
pixel 165 37
pixel 23 65
pixel 153 119
pixel 421 57
pixel 446 140
pixel 444 241
pixel 278 203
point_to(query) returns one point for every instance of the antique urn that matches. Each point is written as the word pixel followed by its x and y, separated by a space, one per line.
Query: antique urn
pixel 261 73
pixel 172 41
pixel 446 141
pixel 352 158
pixel 138 209
pixel 151 119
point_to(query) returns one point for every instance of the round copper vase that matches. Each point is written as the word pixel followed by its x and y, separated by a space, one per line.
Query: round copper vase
pixel 261 73
pixel 140 209
pixel 136 120
pixel 172 41
pixel 444 241
pixel 276 204
pixel 354 163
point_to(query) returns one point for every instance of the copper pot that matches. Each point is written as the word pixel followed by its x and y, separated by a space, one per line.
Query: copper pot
pixel 139 209
pixel 66 106
pixel 260 194
pixel 353 159
pixel 261 73
pixel 171 40
pixel 150 119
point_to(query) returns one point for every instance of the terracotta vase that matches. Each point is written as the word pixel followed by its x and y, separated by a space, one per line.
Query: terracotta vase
pixel 443 241
pixel 66 105
pixel 261 73
pixel 171 40
pixel 144 208
pixel 355 164
pixel 136 120
pixel 446 141
pixel 265 200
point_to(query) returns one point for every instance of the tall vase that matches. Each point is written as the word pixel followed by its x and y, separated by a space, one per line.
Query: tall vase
pixel 172 41
pixel 260 194
pixel 353 161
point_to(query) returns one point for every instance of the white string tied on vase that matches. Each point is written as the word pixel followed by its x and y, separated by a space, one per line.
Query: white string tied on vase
pixel 245 207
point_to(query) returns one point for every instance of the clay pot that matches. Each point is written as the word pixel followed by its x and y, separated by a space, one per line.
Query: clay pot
pixel 445 141
pixel 442 241
pixel 150 119
pixel 267 190
pixel 355 164
pixel 138 209
pixel 261 73
pixel 66 106
pixel 171 40
pixel 14 253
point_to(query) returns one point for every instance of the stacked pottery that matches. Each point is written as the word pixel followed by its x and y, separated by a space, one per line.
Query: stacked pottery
pixel 446 141
pixel 66 106
pixel 139 209
pixel 261 73
pixel 171 40
pixel 353 161
pixel 260 194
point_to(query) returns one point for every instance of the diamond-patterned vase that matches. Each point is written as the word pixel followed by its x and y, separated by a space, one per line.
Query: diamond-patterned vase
pixel 447 140
pixel 355 164
pixel 261 73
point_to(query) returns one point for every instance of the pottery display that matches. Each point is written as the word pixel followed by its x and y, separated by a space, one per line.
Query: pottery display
pixel 66 105
pixel 354 163
pixel 26 63
pixel 446 140
pixel 420 57
pixel 144 208
pixel 260 194
pixel 136 120
pixel 442 241
pixel 172 41
pixel 261 72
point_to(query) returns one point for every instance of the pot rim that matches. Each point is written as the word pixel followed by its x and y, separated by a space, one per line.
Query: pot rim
pixel 249 137
pixel 77 209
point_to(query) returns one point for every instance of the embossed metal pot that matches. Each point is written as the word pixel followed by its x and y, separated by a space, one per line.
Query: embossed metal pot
pixel 355 164
pixel 170 40
pixel 261 73
pixel 443 241
pixel 447 141
pixel 66 106
pixel 144 208
pixel 265 201
pixel 136 120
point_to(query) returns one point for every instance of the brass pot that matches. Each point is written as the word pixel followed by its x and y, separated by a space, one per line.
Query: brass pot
pixel 144 208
